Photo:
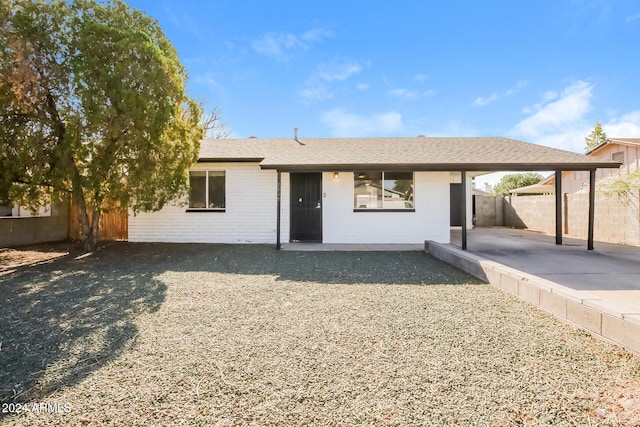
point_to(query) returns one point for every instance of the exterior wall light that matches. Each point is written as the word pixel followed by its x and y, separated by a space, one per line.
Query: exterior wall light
pixel 336 175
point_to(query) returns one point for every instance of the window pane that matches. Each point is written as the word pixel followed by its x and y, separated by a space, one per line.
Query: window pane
pixel 216 190
pixel 197 190
pixel 398 190
pixel 367 190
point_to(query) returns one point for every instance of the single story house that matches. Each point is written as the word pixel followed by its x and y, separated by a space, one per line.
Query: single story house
pixel 340 190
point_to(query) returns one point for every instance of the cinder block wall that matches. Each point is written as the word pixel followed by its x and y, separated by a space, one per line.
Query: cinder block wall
pixel 532 212
pixel 16 231
pixel 617 215
pixel 489 211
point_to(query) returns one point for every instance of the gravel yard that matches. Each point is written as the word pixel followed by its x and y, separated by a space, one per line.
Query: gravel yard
pixel 225 335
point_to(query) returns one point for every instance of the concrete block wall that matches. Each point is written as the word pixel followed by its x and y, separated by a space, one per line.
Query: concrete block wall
pixel 532 212
pixel 489 211
pixel 22 231
pixel 617 215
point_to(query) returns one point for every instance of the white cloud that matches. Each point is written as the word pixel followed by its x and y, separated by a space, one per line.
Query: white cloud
pixel 561 121
pixel 409 94
pixel 627 126
pixel 316 88
pixel 403 93
pixel 316 34
pixel 345 124
pixel 309 95
pixel 483 101
pixel 420 78
pixel 558 115
pixel 279 46
pixel 363 86
pixel 337 70
pixel 633 17
pixel 546 97
pixel 208 80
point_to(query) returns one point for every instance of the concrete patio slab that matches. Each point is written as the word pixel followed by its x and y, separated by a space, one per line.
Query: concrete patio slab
pixel 596 290
pixel 351 247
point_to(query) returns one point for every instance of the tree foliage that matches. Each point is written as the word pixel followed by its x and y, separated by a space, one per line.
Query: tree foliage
pixel 516 180
pixel 595 138
pixel 93 105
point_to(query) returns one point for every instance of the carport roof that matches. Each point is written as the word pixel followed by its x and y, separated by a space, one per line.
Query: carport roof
pixel 419 153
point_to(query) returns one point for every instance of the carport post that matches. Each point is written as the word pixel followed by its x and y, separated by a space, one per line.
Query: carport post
pixel 558 207
pixel 279 191
pixel 592 202
pixel 463 177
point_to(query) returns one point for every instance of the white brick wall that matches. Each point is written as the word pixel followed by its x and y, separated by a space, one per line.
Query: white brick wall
pixel 430 221
pixel 250 215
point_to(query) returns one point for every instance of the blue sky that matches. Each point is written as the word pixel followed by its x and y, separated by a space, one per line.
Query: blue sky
pixel 541 71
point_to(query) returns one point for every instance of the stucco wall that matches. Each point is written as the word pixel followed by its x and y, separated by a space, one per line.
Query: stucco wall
pixel 21 231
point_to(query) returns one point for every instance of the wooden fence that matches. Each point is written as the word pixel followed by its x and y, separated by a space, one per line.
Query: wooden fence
pixel 114 225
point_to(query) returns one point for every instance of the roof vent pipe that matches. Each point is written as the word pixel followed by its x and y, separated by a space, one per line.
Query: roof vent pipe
pixel 295 136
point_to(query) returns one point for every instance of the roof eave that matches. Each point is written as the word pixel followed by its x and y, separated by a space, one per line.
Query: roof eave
pixel 342 167
pixel 230 159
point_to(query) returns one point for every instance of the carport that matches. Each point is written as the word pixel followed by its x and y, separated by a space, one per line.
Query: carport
pixel 542 165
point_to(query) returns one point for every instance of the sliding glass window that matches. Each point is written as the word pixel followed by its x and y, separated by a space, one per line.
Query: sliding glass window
pixel 383 190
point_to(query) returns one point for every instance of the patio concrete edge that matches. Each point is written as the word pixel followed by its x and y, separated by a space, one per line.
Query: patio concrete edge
pixel 579 308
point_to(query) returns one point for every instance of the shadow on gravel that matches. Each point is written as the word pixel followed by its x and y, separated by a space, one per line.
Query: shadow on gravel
pixel 415 268
pixel 64 317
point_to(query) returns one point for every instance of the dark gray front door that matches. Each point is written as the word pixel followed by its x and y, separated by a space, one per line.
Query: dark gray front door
pixel 306 207
pixel 455 207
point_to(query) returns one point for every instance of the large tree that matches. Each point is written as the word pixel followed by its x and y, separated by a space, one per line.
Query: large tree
pixel 595 138
pixel 92 104
pixel 516 180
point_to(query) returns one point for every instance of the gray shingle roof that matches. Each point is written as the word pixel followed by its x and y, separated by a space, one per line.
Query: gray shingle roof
pixel 420 153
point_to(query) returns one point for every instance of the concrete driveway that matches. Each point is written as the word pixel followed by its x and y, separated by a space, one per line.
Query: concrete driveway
pixel 611 272
pixel 598 290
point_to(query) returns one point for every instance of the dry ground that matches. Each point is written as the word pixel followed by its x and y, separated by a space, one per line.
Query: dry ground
pixel 159 334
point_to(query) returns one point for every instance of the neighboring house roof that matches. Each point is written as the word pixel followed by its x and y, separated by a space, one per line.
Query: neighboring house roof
pixel 479 192
pixel 538 188
pixel 421 153
pixel 622 141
